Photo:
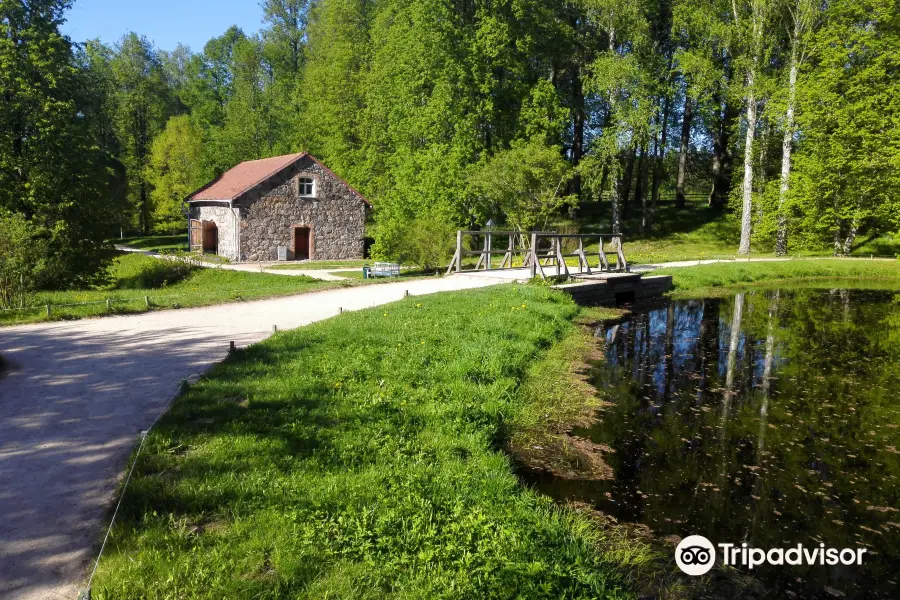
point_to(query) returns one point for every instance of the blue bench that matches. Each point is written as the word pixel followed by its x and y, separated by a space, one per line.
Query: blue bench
pixel 385 269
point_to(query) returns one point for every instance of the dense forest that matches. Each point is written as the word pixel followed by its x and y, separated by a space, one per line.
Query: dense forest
pixel 784 114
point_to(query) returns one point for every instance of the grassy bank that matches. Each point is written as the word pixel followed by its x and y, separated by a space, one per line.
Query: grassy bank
pixel 717 278
pixel 136 280
pixel 360 458
pixel 699 232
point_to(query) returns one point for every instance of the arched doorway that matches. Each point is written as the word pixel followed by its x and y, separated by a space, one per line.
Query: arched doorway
pixel 210 238
pixel 302 243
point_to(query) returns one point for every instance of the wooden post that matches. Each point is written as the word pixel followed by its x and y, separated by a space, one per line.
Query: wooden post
pixel 560 259
pixel 489 242
pixel 231 347
pixel 604 263
pixel 582 259
pixel 481 257
pixel 457 258
pixel 621 263
pixel 533 256
pixel 108 306
pixel 555 251
pixel 147 301
pixel 48 310
pixel 508 257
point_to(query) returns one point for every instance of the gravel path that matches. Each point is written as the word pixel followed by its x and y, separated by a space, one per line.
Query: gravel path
pixel 78 393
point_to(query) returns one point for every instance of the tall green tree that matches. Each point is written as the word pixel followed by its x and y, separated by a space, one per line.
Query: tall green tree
pixel 143 104
pixel 175 169
pixel 525 184
pixel 751 29
pixel 250 130
pixel 803 14
pixel 54 171
pixel 847 170
pixel 332 93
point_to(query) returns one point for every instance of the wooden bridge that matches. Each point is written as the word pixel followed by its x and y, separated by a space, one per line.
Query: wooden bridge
pixel 538 250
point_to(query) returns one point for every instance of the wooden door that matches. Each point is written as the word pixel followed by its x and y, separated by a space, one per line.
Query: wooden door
pixel 196 235
pixel 301 243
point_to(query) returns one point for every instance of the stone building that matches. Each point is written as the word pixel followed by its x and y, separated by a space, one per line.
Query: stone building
pixel 283 208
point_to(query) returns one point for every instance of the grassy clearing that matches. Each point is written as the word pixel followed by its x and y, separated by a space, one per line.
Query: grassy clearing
pixel 136 279
pixel 706 279
pixel 360 458
pixel 158 243
pixel 699 232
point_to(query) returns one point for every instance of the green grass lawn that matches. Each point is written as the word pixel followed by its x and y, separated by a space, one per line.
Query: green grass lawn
pixel 706 279
pixel 156 242
pixel 360 457
pixel 698 232
pixel 136 279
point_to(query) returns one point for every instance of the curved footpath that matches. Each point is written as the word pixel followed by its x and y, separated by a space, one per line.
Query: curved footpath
pixel 77 394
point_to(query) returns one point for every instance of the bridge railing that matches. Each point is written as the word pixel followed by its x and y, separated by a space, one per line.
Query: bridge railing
pixel 540 249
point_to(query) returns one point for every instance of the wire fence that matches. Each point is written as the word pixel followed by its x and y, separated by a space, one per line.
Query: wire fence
pixel 85 593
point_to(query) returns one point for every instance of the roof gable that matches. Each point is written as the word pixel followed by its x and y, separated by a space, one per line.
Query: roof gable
pixel 247 175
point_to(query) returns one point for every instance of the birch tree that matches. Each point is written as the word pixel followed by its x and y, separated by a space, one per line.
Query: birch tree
pixel 802 14
pixel 759 11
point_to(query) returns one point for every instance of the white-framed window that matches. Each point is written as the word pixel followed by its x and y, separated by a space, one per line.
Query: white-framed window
pixel 306 187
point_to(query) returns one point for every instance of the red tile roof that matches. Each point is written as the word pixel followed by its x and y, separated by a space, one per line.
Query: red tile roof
pixel 247 175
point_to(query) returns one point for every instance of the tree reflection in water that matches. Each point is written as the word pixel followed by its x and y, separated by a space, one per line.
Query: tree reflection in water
pixel 769 418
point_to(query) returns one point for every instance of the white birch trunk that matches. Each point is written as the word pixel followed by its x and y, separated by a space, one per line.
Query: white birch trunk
pixel 747 188
pixel 788 140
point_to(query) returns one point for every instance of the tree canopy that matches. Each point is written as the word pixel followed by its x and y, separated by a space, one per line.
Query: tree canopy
pixel 457 111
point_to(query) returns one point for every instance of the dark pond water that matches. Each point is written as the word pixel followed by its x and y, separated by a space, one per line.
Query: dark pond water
pixel 769 418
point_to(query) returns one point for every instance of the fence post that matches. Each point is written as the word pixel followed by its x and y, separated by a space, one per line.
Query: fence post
pixel 147 301
pixel 108 305
pixel 534 257
pixel 48 310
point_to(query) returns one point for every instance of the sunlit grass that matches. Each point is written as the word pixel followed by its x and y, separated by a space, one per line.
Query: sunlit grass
pixel 138 283
pixel 706 278
pixel 359 458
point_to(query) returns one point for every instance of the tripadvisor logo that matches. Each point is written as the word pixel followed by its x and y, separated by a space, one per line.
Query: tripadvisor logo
pixel 695 555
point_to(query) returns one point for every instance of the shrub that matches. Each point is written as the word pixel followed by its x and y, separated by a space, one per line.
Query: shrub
pixel 427 242
pixel 146 272
pixel 22 260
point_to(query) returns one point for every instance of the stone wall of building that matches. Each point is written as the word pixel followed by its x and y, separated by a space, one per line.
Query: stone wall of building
pixel 270 213
pixel 225 219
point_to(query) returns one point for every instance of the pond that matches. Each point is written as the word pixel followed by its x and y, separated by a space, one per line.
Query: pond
pixel 770 418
